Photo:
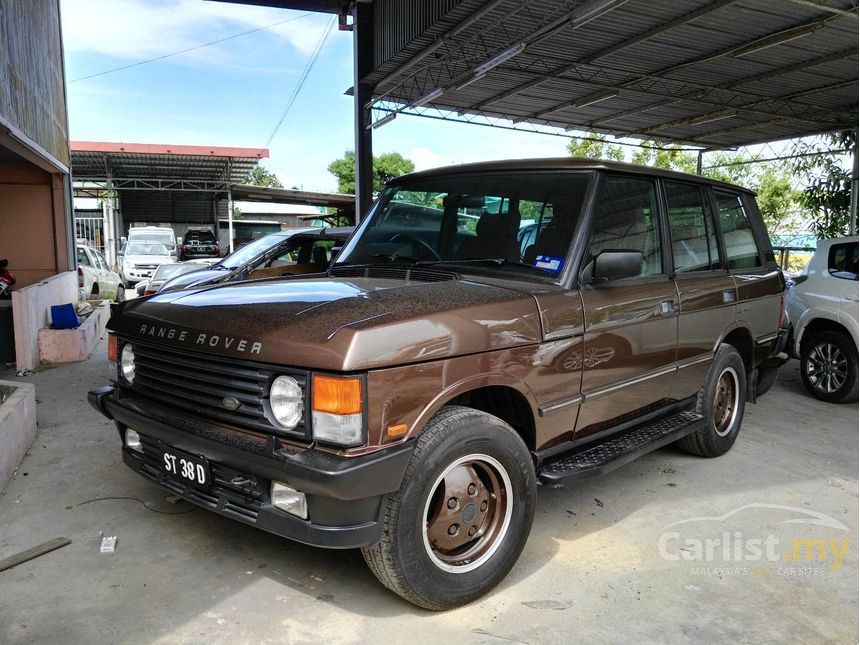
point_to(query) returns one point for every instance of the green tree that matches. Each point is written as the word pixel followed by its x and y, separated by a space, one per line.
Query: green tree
pixel 827 193
pixel 671 157
pixel 595 147
pixel 386 166
pixel 261 176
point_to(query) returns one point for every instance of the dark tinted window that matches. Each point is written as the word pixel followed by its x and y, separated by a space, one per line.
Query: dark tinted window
pixel 694 245
pixel 842 261
pixel 625 218
pixel 738 238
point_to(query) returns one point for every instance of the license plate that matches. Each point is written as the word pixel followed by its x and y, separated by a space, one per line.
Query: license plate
pixel 185 467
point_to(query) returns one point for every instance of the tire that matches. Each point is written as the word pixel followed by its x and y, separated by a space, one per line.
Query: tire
pixel 476 456
pixel 721 402
pixel 120 294
pixel 828 367
pixel 766 379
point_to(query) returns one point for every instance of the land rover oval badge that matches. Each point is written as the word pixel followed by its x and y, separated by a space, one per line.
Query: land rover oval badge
pixel 230 403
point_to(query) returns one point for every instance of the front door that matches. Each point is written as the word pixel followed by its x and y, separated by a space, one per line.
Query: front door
pixel 631 325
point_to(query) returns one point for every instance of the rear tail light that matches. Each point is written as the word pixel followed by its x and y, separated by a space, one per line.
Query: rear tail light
pixel 149 292
pixel 113 346
pixel 80 278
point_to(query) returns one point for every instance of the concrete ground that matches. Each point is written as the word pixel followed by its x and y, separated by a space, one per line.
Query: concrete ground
pixel 602 563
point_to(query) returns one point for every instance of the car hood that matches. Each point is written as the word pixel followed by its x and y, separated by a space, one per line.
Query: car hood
pixel 148 259
pixel 335 323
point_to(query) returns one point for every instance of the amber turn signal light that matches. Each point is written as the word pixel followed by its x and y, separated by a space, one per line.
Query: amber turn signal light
pixel 336 395
pixel 397 431
pixel 113 346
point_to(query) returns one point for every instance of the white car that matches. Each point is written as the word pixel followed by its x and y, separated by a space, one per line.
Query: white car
pixel 823 309
pixel 141 259
pixel 95 278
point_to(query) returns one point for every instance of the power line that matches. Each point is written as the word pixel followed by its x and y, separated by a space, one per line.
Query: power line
pixel 190 49
pixel 302 79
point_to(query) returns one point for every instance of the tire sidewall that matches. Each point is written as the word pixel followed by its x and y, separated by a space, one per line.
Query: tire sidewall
pixel 476 437
pixel 847 348
pixel 726 358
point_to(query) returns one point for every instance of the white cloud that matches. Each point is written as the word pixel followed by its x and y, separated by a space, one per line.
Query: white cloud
pixel 135 29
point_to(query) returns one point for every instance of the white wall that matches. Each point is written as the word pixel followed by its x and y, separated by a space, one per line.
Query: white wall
pixel 31 312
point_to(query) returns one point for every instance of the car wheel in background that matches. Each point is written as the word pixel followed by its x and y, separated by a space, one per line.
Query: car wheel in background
pixel 828 367
pixel 120 294
pixel 766 379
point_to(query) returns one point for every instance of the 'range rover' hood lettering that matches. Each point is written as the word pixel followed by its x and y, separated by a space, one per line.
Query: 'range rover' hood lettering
pixel 191 337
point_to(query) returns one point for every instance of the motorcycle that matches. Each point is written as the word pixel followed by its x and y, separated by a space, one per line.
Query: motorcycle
pixel 6 281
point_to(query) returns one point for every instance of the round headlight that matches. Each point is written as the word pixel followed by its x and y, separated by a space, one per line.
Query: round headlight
pixel 126 363
pixel 287 401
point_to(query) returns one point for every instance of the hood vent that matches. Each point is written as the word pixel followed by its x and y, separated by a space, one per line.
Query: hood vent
pixel 393 273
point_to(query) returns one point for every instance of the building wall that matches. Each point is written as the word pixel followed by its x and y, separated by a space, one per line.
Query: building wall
pixel 32 90
pixel 33 232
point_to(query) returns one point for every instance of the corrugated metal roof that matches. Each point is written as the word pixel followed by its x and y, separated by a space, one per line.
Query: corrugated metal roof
pixel 100 160
pixel 684 60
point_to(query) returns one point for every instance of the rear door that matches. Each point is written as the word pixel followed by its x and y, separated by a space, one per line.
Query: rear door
pixel 706 292
pixel 631 325
pixel 749 259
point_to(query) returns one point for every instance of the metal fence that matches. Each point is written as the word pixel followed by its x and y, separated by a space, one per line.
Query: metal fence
pixel 91 229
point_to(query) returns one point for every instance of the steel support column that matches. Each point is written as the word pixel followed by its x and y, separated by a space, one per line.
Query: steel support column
pixel 853 208
pixel 362 95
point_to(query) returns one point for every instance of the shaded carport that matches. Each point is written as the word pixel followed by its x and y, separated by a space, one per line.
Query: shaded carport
pixel 159 183
pixel 710 74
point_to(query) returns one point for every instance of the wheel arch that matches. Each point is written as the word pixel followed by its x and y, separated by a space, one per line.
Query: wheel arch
pixel 819 325
pixel 505 397
pixel 740 337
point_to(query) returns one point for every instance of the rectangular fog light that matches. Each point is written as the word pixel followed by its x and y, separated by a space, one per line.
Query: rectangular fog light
pixel 290 500
pixel 132 440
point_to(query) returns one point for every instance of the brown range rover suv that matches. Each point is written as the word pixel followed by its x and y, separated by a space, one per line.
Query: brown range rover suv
pixel 486 329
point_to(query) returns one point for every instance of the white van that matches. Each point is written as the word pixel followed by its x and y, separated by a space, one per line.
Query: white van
pixel 159 234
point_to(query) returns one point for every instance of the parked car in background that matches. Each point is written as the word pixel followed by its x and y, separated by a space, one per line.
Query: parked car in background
pixel 166 272
pixel 160 234
pixel 96 280
pixel 199 243
pixel 277 254
pixel 141 259
pixel 822 306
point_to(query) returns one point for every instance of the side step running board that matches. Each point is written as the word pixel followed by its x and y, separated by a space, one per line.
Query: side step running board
pixel 618 450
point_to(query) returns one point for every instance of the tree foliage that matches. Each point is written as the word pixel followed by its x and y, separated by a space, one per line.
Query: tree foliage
pixel 595 147
pixel 261 176
pixel 827 192
pixel 386 166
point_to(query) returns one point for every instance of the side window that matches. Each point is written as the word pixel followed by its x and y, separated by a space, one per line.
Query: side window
pixel 83 258
pixel 321 253
pixel 738 238
pixel 100 260
pixel 625 218
pixel 694 244
pixel 842 261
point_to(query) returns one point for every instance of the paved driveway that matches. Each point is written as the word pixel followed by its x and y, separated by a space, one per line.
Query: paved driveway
pixel 631 557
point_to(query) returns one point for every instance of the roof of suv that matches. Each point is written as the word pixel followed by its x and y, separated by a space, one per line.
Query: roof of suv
pixel 562 163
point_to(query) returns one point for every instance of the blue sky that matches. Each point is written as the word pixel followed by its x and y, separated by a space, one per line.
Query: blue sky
pixel 232 93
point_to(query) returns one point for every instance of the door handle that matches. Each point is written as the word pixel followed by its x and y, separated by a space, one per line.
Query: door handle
pixel 667 307
pixel 729 295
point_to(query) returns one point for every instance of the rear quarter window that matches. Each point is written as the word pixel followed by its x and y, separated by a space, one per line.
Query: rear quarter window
pixel 842 261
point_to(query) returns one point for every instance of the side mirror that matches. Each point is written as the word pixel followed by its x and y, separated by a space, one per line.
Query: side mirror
pixel 616 264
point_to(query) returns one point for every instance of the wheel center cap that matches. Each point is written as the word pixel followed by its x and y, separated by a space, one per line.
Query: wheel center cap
pixel 469 513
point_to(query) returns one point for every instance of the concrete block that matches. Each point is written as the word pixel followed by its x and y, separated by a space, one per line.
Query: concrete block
pixel 30 311
pixel 70 345
pixel 17 425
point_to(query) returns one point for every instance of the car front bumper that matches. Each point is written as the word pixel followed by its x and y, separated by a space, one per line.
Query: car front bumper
pixel 344 495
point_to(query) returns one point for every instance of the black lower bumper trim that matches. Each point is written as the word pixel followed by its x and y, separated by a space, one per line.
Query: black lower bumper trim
pixel 344 494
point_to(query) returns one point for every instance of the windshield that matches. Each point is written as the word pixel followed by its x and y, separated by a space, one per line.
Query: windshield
pixel 137 248
pixel 252 250
pixel 165 238
pixel 520 222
